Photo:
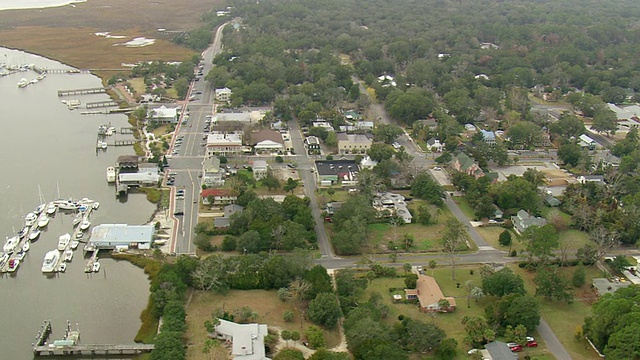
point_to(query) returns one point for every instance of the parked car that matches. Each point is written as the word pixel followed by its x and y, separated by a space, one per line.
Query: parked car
pixel 514 347
pixel 532 343
pixel 328 219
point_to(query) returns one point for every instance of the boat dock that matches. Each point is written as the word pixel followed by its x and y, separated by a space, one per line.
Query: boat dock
pixel 100 104
pixel 69 345
pixel 127 130
pixel 82 91
pixel 124 142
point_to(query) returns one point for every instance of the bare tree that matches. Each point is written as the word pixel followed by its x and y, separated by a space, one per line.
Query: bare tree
pixel 210 273
pixel 604 239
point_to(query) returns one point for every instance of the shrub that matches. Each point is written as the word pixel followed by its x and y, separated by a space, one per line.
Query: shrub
pixel 279 159
pixel 287 316
pixel 229 243
pixel 315 337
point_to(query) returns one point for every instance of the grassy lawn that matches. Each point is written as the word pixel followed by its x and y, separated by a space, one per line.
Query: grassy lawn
pixel 324 197
pixel 491 234
pixel 565 318
pixel 465 207
pixel 449 322
pixel 264 303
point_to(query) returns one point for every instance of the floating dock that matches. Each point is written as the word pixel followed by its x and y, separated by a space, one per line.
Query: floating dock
pixel 82 91
pixel 101 104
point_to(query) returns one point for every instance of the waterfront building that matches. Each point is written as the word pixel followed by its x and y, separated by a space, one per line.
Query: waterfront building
pixel 112 236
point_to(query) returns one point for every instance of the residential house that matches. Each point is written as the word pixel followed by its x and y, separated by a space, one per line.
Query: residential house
pixel 364 125
pixel 435 145
pixel 351 115
pixel 464 163
pixel 247 339
pixel 605 159
pixel 225 220
pixel 498 350
pixel 164 115
pixel 470 127
pixel 429 123
pixel 212 175
pixel 279 125
pixel 489 46
pixel 428 294
pixel 587 142
pixel 387 80
pixel 583 179
pixel 523 220
pixel 312 144
pixel 489 137
pixel 223 144
pixel 552 200
pixel 218 196
pixel 333 172
pixel 267 141
pixel 259 169
pixel 223 95
pixel 354 143
pixel 367 163
pixel 323 124
pixel 394 204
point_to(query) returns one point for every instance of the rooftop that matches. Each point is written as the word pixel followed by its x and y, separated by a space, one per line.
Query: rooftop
pixel 224 139
pixel 263 135
pixel 248 339
pixel 122 233
pixel 335 167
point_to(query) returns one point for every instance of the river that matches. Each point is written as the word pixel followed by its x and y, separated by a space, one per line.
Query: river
pixel 46 145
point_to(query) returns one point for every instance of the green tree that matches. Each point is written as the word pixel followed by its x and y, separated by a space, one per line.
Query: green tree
pixel 386 133
pixel 579 276
pixel 540 242
pixel 453 239
pixel 552 285
pixel 605 120
pixel 422 336
pixel 290 185
pixel 288 316
pixel 517 193
pixel 505 239
pixel 182 86
pixel 410 281
pixel 502 283
pixel 289 354
pixel 324 354
pixel 380 151
pixel 424 215
pixel 570 154
pixel 478 331
pixel 271 182
pixel 525 135
pixel 425 187
pixel 448 349
pixel 325 310
pixel 315 337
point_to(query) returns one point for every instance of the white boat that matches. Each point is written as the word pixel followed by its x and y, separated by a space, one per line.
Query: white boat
pixel 51 208
pixel 85 224
pixel 20 255
pixel 101 145
pixel 42 76
pixel 111 174
pixel 30 219
pixel 50 261
pixel 3 259
pixel 40 209
pixel 33 81
pixel 11 244
pixel 160 242
pixel 76 221
pixel 62 267
pixel 23 232
pixel 63 241
pixel 68 255
pixel 96 267
pixel 74 244
pixel 13 265
pixel 34 234
pixel 102 129
pixel 26 246
pixel 23 82
pixel 66 204
pixel 43 221
pixel 95 205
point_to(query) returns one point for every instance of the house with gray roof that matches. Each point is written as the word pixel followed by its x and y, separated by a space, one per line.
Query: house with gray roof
pixel 435 145
pixel 499 350
pixel 247 340
pixel 523 220
pixel 224 221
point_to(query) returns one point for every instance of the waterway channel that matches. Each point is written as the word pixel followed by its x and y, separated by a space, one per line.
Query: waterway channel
pixel 45 144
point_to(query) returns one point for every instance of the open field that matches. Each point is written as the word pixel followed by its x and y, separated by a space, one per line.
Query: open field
pixel 264 303
pixel 67 34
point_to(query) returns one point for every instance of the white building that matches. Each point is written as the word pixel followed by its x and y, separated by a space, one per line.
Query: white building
pixel 111 236
pixel 212 175
pixel 247 339
pixel 223 144
pixel 223 95
pixel 164 114
pixel 259 169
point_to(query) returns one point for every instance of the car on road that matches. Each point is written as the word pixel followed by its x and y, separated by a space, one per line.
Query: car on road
pixel 170 183
pixel 396 145
pixel 328 219
pixel 198 92
pixel 437 168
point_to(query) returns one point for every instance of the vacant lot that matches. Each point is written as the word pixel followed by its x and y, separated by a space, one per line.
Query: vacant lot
pixel 67 34
pixel 264 303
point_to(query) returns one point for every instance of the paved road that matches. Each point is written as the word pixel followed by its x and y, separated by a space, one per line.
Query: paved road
pixel 552 342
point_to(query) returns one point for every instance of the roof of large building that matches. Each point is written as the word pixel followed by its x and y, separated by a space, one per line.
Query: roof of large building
pixel 500 351
pixel 122 233
pixel 144 177
pixel 164 112
pixel 621 113
pixel 335 167
pixel 219 139
pixel 259 165
pixel 265 134
pixel 248 339
pixel 215 192
pixel 429 291
pixel 361 138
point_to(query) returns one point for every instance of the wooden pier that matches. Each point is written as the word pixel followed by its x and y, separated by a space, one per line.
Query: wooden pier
pixel 101 104
pixel 82 91
pixel 124 142
pixel 127 130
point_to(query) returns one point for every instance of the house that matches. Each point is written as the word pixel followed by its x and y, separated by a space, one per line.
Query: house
pixel 247 339
pixel 428 294
pixel 354 143
pixel 223 95
pixel 583 179
pixel 606 286
pixel 259 169
pixel 587 142
pixel 212 175
pixel 470 127
pixel 225 220
pixel 333 172
pixel 267 141
pixel 622 114
pixel 464 163
pixel 434 145
pixel 523 220
pixel 351 115
pixel 223 144
pixel 279 125
pixel 552 200
pixel 164 115
pixel 489 137
pixel 387 80
pixel 489 46
pixel 364 125
pixel 127 163
pixel 312 144
pixel 498 350
pixel 218 196
pixel 367 163
pixel 323 124
pixel 429 123
pixel 605 159
pixel 393 204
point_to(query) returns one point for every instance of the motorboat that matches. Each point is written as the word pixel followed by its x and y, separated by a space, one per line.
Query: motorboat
pixel 160 242
pixel 42 76
pixel 63 241
pixel 102 129
pixel 23 232
pixel 96 267
pixel 3 259
pixel 20 255
pixel 85 224
pixel 23 83
pixel 68 255
pixel 11 244
pixel 50 261
pixel 62 267
pixel 13 265
pixel 40 209
pixel 51 208
pixel 26 246
pixel 76 221
pixel 34 234
pixel 79 234
pixel 67 205
pixel 101 145
pixel 95 205
pixel 111 174
pixel 74 244
pixel 43 221
pixel 30 219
